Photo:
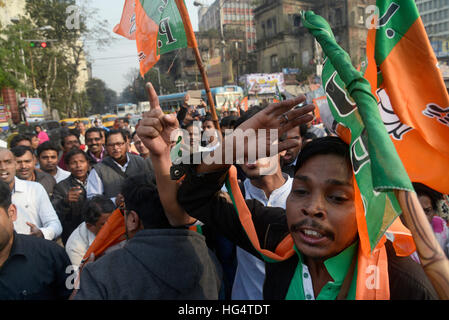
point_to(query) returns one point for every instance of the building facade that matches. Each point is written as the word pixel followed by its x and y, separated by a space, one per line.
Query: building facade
pixel 230 16
pixel 282 41
pixel 435 17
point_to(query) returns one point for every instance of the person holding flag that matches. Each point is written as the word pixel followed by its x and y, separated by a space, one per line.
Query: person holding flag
pixel 412 103
pixel 373 202
pixel 311 249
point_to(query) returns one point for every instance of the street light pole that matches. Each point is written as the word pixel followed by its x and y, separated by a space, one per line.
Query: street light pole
pixel 25 78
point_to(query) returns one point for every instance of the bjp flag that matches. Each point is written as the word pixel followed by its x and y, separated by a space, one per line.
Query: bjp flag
pixel 127 25
pixel 244 103
pixel 158 27
pixel 412 97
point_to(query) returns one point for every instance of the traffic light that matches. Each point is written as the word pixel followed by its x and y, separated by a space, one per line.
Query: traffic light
pixel 39 44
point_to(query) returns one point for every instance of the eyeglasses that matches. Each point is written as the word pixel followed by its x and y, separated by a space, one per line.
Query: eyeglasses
pixel 93 139
pixel 117 144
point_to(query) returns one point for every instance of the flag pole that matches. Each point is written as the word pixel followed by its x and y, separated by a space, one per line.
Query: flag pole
pixel 193 44
pixel 206 86
pixel 433 259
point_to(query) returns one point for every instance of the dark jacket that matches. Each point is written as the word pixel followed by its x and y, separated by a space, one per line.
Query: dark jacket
pixel 113 178
pixel 46 180
pixel 159 264
pixel 200 196
pixel 69 213
pixel 36 269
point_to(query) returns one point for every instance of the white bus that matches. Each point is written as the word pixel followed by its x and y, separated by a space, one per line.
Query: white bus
pixel 123 109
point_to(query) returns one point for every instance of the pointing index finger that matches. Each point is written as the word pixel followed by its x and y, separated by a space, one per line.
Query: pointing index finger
pixel 152 96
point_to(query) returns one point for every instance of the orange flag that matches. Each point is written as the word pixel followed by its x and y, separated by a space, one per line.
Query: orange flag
pixel 112 232
pixel 413 100
pixel 158 27
pixel 127 26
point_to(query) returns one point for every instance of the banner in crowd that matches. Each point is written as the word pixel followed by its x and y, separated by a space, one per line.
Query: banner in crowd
pixel 264 83
pixel 158 27
pixel 35 107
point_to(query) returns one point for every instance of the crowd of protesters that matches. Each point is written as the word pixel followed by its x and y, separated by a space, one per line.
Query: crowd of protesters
pixel 185 240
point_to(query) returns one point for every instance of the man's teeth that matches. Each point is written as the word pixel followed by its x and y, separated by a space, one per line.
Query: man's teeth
pixel 312 233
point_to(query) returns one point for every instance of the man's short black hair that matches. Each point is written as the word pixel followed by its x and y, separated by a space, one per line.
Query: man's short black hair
pixel 93 129
pixel 73 153
pixel 31 135
pixel 19 151
pixel 5 195
pixel 17 138
pixel 47 145
pixel 142 196
pixel 133 135
pixel 323 146
pixel 94 207
pixel 303 129
pixel 423 190
pixel 127 134
pixel 228 121
pixel 250 113
pixel 116 131
pixel 71 132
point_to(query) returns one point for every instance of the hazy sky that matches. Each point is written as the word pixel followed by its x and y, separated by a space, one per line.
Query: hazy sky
pixel 113 62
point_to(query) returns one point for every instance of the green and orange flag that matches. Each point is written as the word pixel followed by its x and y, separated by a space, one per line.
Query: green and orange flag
pixel 277 95
pixel 377 167
pixel 158 26
pixel 410 90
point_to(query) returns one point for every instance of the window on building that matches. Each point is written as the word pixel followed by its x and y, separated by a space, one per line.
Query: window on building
pixel 338 17
pixel 361 16
pixel 293 60
pixel 296 20
pixel 274 61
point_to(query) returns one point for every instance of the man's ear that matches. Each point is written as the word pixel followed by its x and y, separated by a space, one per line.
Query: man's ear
pixel 12 212
pixel 132 221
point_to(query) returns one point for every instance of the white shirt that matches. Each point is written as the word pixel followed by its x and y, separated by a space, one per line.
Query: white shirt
pixel 33 205
pixel 61 174
pixel 78 243
pixel 250 273
pixel 94 183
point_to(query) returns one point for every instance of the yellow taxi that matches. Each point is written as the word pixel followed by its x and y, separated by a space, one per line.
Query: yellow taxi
pixel 109 120
pixel 87 122
pixel 70 122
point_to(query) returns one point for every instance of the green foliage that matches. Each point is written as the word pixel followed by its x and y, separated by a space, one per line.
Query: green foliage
pixel 135 91
pixel 12 69
pixel 101 98
pixel 52 72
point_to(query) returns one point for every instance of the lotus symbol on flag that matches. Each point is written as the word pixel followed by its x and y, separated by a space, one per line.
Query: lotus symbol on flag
pixel 435 111
pixel 391 121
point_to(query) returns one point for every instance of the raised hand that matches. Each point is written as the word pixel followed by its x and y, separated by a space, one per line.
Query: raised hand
pixel 156 128
pixel 277 116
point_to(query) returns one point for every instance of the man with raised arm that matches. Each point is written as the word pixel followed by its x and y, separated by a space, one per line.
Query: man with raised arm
pixel 314 242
